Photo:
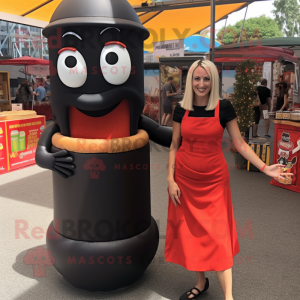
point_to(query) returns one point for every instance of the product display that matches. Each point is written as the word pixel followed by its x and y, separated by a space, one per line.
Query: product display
pixel 272 115
pixel 98 147
pixel 18 140
pixel 286 152
pixel 14 115
pixel 295 116
pixel 286 115
pixel 279 115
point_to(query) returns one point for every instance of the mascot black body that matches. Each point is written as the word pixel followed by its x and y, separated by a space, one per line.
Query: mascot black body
pixel 103 236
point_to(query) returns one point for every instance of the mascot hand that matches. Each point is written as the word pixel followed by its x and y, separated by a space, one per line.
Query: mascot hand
pixel 59 162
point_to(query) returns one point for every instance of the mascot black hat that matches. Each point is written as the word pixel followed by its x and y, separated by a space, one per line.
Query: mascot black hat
pixel 91 12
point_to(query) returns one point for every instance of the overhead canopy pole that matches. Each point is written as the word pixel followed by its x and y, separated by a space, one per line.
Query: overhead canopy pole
pixel 243 24
pixel 224 29
pixel 179 4
pixel 212 29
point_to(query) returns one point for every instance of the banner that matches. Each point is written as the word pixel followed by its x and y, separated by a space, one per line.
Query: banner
pixel 18 142
pixel 267 73
pixel 174 48
pixel 240 59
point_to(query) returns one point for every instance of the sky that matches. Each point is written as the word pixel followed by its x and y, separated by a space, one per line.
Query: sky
pixel 255 9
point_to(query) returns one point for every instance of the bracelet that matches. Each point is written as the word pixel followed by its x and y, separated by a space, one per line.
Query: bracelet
pixel 263 167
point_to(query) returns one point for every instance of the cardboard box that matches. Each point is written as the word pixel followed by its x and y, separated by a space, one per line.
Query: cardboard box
pixel 16 106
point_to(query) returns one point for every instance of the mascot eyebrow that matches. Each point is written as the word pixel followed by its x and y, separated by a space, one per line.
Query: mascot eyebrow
pixel 109 28
pixel 72 33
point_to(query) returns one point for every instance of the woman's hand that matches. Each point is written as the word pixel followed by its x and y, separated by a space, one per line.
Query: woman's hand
pixel 174 192
pixel 275 171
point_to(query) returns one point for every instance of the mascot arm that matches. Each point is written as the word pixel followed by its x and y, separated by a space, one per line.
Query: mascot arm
pixel 158 134
pixel 59 162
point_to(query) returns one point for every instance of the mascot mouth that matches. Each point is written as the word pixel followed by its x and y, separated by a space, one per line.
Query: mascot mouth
pixel 106 123
pixel 99 113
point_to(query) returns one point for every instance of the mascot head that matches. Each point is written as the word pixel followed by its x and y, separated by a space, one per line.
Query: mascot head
pixel 96 68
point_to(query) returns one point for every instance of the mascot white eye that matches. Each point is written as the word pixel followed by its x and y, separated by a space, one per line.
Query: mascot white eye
pixel 115 63
pixel 71 67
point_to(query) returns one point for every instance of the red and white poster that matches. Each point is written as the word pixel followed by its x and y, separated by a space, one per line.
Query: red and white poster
pixel 19 141
pixel 3 156
pixel 286 152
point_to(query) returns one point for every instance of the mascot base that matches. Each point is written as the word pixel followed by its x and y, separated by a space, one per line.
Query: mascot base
pixel 103 266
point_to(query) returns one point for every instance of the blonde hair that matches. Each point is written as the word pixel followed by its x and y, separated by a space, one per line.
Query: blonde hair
pixel 211 69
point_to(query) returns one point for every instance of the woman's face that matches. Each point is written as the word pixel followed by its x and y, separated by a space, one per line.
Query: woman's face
pixel 201 82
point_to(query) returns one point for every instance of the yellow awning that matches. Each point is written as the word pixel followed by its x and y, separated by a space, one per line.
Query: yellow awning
pixel 181 23
pixel 162 25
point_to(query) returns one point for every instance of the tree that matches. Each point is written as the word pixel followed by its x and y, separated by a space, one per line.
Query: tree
pixel 287 16
pixel 254 28
pixel 247 76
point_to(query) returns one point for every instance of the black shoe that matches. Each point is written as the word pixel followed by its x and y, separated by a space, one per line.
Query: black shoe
pixel 186 295
pixel 267 135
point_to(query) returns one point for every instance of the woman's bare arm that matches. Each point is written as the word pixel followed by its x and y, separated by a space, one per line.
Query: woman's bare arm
pixel 244 149
pixel 174 190
pixel 176 139
pixel 241 146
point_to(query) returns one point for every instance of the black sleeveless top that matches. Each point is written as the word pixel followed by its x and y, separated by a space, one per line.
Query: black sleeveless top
pixel 280 102
pixel 226 112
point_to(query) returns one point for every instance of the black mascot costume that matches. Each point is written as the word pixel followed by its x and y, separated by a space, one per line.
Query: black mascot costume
pixel 103 236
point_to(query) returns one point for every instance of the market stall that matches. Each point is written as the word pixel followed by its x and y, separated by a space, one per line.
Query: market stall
pixel 19 135
pixel 287 149
pixel 276 64
pixel 37 69
pixel 272 62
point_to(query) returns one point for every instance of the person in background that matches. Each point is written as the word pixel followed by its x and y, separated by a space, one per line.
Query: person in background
pixel 282 97
pixel 264 94
pixel 24 94
pixel 32 95
pixel 256 120
pixel 47 87
pixel 174 89
pixel 40 92
pixel 167 104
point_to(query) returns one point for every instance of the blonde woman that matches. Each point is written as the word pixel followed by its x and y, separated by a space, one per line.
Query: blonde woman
pixel 201 230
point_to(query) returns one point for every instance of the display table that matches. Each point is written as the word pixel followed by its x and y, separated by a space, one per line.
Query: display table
pixel 18 142
pixel 287 152
pixel 42 110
